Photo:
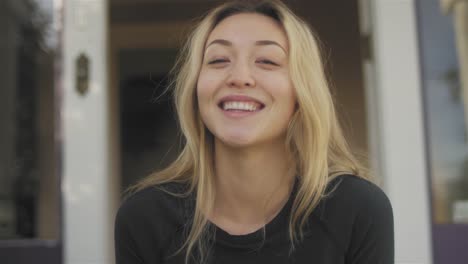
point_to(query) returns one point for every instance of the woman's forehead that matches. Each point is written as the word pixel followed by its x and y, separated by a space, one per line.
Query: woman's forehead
pixel 249 28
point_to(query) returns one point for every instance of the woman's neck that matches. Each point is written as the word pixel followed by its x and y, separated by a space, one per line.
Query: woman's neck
pixel 252 185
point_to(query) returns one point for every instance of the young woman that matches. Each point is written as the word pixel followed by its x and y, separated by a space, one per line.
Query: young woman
pixel 266 175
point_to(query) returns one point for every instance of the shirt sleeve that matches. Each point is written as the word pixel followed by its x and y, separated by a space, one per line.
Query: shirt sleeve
pixel 124 240
pixel 372 240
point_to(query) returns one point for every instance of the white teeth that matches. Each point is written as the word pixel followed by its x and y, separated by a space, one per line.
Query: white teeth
pixel 245 106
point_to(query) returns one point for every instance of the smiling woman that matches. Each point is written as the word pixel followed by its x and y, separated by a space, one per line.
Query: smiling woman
pixel 266 175
pixel 246 67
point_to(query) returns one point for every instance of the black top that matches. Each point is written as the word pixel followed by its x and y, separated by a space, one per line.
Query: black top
pixel 354 225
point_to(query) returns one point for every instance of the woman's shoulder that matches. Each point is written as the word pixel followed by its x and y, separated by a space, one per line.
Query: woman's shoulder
pixel 154 195
pixel 352 195
pixel 354 204
pixel 150 221
pixel 355 190
pixel 163 205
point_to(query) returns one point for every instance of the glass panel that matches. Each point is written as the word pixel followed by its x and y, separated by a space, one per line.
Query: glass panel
pixel 446 117
pixel 29 189
pixel 448 142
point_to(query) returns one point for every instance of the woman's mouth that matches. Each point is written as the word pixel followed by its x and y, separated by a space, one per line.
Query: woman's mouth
pixel 236 103
pixel 243 106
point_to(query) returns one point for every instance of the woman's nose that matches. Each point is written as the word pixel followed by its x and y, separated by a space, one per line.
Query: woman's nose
pixel 241 76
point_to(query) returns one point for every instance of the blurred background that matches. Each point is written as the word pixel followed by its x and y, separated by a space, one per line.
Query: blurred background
pixel 83 114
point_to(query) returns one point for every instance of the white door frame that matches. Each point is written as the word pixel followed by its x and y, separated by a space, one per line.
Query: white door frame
pixel 396 122
pixel 88 182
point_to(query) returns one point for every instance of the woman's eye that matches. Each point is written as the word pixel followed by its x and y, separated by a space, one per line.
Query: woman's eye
pixel 217 61
pixel 269 62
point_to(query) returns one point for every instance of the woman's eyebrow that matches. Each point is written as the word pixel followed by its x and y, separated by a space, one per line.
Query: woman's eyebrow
pixel 269 42
pixel 221 42
pixel 258 43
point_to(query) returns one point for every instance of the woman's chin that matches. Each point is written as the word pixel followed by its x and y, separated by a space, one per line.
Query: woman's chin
pixel 236 141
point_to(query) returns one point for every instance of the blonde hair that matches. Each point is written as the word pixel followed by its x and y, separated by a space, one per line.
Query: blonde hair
pixel 314 136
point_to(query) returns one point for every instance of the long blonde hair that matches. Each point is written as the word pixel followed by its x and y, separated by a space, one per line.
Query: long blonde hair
pixel 314 136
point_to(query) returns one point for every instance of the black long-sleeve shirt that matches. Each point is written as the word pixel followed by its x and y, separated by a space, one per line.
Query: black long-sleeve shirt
pixel 354 225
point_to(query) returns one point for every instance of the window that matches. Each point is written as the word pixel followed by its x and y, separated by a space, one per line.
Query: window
pixel 29 179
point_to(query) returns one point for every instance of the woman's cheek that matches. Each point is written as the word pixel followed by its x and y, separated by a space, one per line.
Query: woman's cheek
pixel 209 79
pixel 202 87
pixel 279 85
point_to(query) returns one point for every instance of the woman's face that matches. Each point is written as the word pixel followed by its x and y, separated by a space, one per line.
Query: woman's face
pixel 245 94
